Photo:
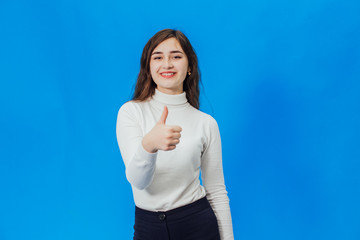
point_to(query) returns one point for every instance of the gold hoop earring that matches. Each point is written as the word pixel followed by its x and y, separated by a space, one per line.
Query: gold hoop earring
pixel 189 73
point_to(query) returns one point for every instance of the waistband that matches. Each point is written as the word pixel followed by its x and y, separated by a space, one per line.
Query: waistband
pixel 179 212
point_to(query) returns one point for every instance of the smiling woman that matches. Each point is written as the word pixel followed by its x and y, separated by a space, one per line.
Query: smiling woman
pixel 165 173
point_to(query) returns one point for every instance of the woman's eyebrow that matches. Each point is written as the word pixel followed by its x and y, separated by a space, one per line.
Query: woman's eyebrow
pixel 175 51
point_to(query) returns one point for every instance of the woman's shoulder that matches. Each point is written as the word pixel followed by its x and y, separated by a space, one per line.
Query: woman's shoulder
pixel 130 111
pixel 206 117
pixel 129 108
pixel 131 105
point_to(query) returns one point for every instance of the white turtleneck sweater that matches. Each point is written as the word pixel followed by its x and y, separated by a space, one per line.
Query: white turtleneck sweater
pixel 166 180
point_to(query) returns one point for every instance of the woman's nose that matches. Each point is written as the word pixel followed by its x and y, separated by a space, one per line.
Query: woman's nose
pixel 167 63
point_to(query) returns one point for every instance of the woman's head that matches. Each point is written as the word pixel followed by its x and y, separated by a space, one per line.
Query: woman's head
pixel 169 66
pixel 168 51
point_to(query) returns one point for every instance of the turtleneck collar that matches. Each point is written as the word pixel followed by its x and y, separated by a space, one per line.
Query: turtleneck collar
pixel 172 101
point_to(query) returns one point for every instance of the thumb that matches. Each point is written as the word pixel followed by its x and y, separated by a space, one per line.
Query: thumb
pixel 164 115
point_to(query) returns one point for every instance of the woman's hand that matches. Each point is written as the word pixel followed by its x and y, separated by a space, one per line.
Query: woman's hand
pixel 161 136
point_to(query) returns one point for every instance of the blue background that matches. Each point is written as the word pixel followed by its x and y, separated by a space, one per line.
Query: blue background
pixel 280 77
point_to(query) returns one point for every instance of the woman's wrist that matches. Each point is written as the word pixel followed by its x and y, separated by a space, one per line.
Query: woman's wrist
pixel 147 146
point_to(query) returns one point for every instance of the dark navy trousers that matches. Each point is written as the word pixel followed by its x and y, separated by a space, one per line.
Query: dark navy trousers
pixel 195 221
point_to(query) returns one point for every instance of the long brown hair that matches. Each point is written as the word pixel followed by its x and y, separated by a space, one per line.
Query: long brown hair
pixel 145 86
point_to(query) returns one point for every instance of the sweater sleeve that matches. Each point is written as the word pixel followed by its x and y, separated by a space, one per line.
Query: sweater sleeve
pixel 139 164
pixel 213 180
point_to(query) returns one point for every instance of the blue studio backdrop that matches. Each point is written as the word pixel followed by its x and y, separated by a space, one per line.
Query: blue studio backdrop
pixel 280 77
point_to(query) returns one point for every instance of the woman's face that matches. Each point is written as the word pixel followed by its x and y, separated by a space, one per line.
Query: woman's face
pixel 169 66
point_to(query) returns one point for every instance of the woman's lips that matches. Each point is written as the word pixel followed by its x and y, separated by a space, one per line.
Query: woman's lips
pixel 167 75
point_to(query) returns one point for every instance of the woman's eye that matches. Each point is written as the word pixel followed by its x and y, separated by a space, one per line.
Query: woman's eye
pixel 158 58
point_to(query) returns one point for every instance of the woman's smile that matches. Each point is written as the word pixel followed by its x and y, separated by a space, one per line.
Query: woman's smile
pixel 168 74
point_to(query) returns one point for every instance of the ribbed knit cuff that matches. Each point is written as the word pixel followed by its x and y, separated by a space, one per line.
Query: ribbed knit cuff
pixel 145 155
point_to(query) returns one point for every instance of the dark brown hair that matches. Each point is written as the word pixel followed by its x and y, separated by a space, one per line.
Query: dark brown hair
pixel 145 86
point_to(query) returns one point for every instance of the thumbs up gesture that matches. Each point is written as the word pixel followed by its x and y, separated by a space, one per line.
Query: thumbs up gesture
pixel 162 136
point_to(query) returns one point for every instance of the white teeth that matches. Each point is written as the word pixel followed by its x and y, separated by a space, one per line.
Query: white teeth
pixel 167 74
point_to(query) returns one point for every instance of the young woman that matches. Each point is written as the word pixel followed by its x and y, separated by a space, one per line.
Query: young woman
pixel 165 141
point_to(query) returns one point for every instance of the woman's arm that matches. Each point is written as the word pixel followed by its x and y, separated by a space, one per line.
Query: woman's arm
pixel 213 180
pixel 140 164
pixel 140 152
